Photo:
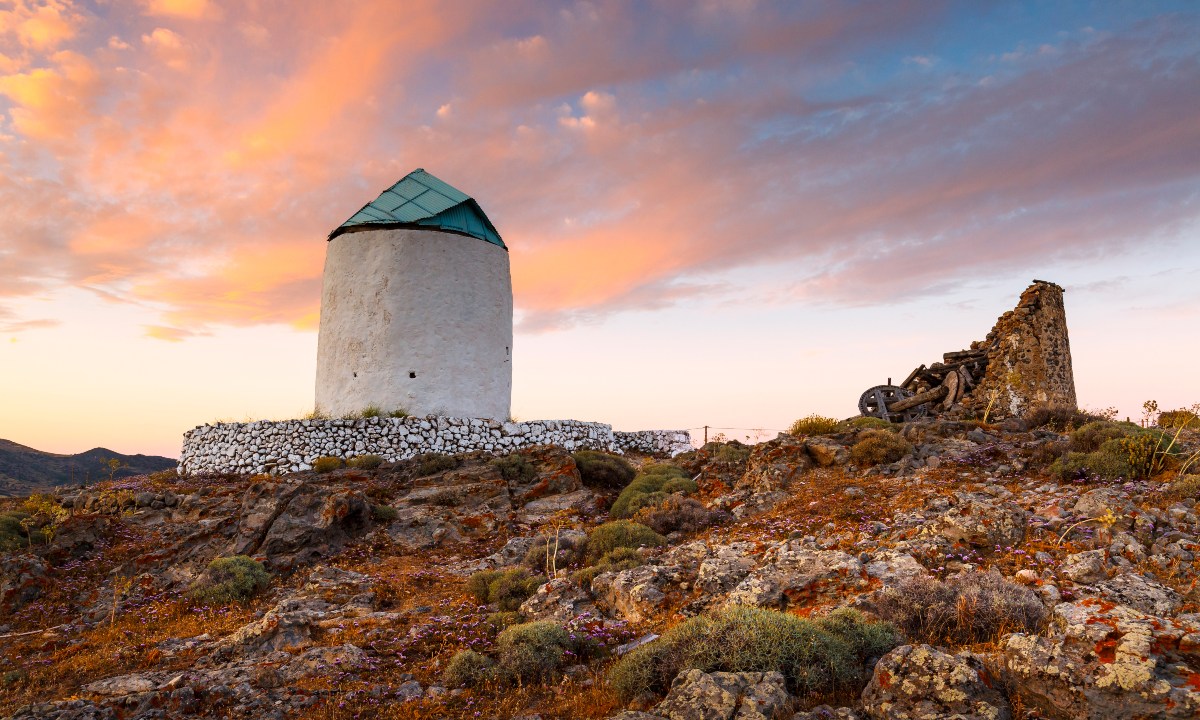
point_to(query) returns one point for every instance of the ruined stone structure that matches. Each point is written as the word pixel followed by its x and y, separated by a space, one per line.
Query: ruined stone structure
pixel 1029 358
pixel 1024 363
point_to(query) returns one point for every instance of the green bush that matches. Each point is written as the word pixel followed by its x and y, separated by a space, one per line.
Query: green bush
pixel 430 463
pixel 868 422
pixel 875 447
pixel 684 485
pixel 1091 436
pixel 971 607
pixel 230 579
pixel 365 462
pixel 507 588
pixel 468 669
pixel 567 552
pixel 649 488
pixel 533 651
pixel 398 413
pixel 815 656
pixel 620 534
pixel 14 535
pixel 815 425
pixel 1178 419
pixel 515 468
pixel 503 619
pixel 384 513
pixel 327 464
pixel 602 471
pixel 371 411
pixel 675 513
pixel 622 558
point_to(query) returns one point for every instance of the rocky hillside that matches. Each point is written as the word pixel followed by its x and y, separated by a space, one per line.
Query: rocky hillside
pixel 24 470
pixel 941 569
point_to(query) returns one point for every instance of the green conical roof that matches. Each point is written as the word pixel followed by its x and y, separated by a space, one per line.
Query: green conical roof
pixel 421 200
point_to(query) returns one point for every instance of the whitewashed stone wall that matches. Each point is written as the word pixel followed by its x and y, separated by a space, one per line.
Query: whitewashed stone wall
pixel 672 442
pixel 293 445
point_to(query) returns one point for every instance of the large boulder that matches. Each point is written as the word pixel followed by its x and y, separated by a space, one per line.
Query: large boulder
pixel 1140 593
pixel 1108 662
pixel 774 465
pixel 983 522
pixel 294 524
pixel 22 580
pixel 697 695
pixel 792 573
pixel 920 682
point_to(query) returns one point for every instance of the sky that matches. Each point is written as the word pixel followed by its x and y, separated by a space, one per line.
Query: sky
pixel 725 213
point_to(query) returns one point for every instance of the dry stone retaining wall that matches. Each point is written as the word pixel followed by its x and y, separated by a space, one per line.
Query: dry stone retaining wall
pixel 293 445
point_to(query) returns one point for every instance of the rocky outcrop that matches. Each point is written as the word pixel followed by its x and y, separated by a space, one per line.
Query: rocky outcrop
pixel 697 695
pixel 1107 661
pixel 920 682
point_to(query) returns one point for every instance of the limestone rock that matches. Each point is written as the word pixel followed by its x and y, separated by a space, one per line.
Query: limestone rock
pixel 983 523
pixel 697 695
pixel 560 599
pixel 920 682
pixel 22 580
pixel 1085 568
pixel 774 465
pixel 792 574
pixel 1107 662
pixel 1140 593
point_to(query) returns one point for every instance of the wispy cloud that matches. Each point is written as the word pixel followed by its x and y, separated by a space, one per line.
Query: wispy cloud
pixel 628 157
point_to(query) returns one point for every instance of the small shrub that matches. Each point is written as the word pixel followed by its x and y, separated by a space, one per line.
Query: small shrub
pixel 398 413
pixel 507 588
pixel 620 534
pixel 503 619
pixel 675 513
pixel 1186 486
pixel 430 463
pixel 731 452
pixel 16 531
pixel 365 462
pixel 468 669
pixel 602 471
pixel 875 447
pixel 567 551
pixel 371 411
pixel 479 585
pixel 971 607
pixel 515 468
pixel 1091 436
pixel 384 513
pixel 684 485
pixel 534 651
pixel 814 656
pixel 1059 418
pixel 647 489
pixel 622 558
pixel 1178 419
pixel 815 425
pixel 327 464
pixel 230 579
pixel 868 422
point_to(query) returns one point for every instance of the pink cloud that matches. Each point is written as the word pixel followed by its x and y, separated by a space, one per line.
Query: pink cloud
pixel 628 160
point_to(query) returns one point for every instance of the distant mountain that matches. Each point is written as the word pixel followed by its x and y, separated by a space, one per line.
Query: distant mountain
pixel 24 470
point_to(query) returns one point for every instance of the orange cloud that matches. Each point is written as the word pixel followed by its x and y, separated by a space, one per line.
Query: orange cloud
pixel 188 9
pixel 52 104
pixel 41 24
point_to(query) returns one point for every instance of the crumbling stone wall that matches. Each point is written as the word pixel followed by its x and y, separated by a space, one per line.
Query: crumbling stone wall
pixel 1029 358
